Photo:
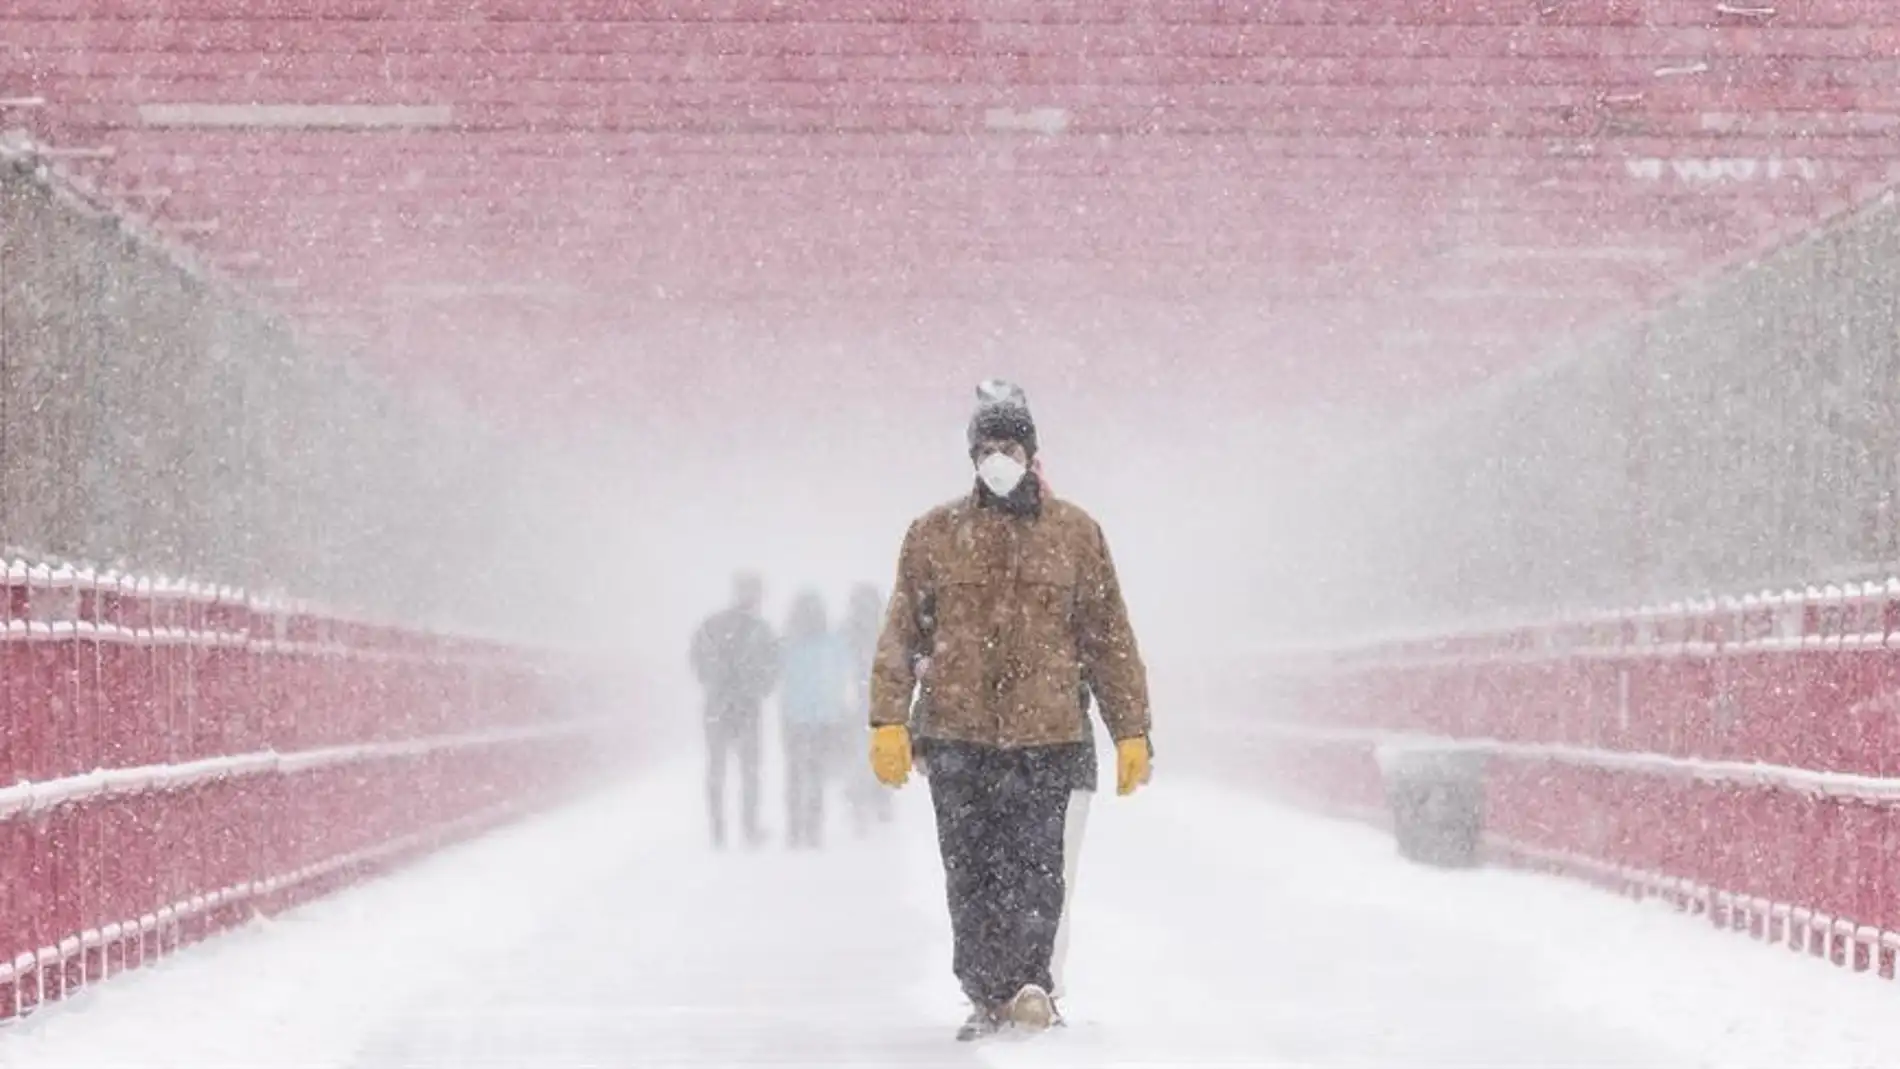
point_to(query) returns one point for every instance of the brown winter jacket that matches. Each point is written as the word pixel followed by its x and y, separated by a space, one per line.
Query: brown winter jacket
pixel 1016 613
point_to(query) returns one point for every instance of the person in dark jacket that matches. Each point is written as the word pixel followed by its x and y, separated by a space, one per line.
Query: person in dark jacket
pixel 735 657
pixel 813 691
pixel 1006 614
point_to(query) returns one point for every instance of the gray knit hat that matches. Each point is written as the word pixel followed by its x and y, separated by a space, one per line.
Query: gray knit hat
pixel 1002 411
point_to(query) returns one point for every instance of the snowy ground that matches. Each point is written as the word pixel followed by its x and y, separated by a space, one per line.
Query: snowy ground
pixel 1211 929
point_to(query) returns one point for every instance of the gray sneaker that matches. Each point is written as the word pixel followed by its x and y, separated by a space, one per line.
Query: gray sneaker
pixel 1032 1008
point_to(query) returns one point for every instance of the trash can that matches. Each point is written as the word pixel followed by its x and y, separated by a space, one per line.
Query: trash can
pixel 1437 799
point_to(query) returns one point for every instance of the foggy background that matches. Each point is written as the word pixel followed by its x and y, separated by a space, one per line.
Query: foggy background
pixel 1475 326
pixel 1347 320
pixel 1208 513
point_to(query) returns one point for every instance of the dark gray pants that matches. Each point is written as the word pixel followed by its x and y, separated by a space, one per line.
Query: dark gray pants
pixel 733 731
pixel 1000 820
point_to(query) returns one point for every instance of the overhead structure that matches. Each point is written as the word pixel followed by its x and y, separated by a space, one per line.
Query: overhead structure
pixel 1308 198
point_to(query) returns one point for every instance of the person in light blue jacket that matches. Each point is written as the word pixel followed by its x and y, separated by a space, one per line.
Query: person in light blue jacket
pixel 814 689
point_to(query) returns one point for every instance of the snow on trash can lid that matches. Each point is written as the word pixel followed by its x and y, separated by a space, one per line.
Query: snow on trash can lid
pixel 1448 758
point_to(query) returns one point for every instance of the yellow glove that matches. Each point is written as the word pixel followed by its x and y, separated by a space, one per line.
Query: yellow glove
pixel 890 754
pixel 1131 764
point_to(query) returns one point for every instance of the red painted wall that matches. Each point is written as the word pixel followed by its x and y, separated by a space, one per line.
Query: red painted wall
pixel 1739 758
pixel 175 760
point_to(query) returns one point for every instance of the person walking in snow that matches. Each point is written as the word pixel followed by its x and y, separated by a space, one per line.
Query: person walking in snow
pixel 815 676
pixel 735 657
pixel 1008 606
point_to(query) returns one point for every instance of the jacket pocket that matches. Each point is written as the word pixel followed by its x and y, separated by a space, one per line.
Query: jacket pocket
pixel 962 597
pixel 1046 585
pixel 1047 566
pixel 954 679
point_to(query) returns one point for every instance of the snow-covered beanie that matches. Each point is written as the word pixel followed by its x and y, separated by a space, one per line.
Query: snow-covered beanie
pixel 1002 411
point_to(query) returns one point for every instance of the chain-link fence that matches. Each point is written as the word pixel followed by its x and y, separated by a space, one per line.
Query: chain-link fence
pixel 150 421
pixel 1745 436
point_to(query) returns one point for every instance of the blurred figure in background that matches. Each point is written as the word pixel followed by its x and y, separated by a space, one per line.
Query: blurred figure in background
pixel 812 700
pixel 735 658
pixel 864 618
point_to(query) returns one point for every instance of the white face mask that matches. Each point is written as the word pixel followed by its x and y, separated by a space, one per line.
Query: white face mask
pixel 1001 473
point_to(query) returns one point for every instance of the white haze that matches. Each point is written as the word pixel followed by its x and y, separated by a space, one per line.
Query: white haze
pixel 1215 516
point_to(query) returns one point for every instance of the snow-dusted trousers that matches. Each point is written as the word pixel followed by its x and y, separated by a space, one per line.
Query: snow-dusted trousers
pixel 1002 828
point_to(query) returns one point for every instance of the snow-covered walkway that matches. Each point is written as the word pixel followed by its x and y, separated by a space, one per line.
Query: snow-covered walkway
pixel 1210 929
